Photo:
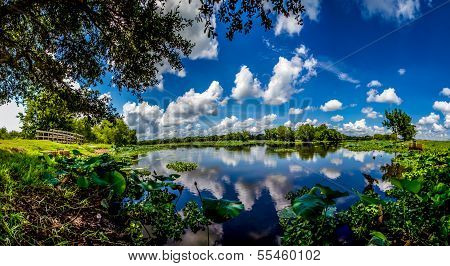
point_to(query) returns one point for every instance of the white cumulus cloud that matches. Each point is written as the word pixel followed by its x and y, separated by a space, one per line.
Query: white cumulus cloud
pixel 205 47
pixel 374 83
pixel 360 128
pixel 387 96
pixel 430 119
pixel 438 128
pixel 289 24
pixel 181 117
pixel 312 8
pixel 392 10
pixel 189 107
pixel 442 106
pixel 331 105
pixel 295 111
pixel 370 113
pixel 445 92
pixel 287 74
pixel 246 86
pixel 233 124
pixel 337 118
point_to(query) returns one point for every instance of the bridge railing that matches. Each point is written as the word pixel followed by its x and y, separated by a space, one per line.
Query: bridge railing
pixel 59 136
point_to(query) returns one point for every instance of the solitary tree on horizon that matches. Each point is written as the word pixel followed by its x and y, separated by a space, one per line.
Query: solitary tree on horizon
pixel 400 124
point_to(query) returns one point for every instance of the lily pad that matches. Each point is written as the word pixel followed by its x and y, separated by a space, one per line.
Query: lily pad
pixel 413 186
pixel 221 210
pixel 378 239
pixel 308 205
pixel 117 182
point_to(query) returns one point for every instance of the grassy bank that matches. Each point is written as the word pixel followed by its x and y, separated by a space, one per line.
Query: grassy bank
pixel 36 147
pixel 391 146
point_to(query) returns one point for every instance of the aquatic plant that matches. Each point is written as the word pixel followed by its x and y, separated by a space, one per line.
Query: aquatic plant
pixel 182 166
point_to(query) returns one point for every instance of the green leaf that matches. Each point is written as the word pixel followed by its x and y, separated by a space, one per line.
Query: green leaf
pixel 104 203
pixel 82 182
pixel 220 210
pixel 370 200
pixel 51 178
pixel 49 160
pixel 180 188
pixel 96 179
pixel 330 194
pixel 173 176
pixel 76 152
pixel 117 181
pixel 286 213
pixel 412 186
pixel 308 205
pixel 378 239
pixel 152 185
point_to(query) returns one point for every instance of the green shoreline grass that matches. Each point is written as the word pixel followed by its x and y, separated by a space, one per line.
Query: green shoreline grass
pixel 37 147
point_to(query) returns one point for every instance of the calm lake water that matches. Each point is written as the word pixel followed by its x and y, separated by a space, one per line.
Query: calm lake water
pixel 260 178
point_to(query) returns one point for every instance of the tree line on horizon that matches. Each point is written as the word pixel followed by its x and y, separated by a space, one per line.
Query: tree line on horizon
pixel 118 133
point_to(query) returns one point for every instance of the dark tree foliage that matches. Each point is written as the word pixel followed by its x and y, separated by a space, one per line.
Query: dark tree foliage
pixel 239 15
pixel 47 110
pixel 44 44
pixel 400 124
pixel 4 134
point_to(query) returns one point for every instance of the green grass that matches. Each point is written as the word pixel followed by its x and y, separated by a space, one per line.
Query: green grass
pixel 36 147
pixel 391 146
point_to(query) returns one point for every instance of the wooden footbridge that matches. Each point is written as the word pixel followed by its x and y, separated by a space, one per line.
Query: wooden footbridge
pixel 59 136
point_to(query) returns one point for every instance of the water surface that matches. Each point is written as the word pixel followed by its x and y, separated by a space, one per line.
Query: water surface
pixel 260 177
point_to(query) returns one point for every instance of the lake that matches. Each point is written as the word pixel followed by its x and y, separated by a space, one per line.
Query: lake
pixel 260 176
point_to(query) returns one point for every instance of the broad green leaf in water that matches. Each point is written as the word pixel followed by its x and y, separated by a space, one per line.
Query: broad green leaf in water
pixel 220 210
pixel 173 176
pixel 173 186
pixel 370 200
pixel 117 182
pixel 330 194
pixel 308 205
pixel 378 239
pixel 412 186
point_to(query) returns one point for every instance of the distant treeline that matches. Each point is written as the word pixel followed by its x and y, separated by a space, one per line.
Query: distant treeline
pixel 119 134
pixel 305 133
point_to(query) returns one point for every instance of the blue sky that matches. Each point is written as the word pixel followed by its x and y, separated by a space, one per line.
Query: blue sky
pixel 400 47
